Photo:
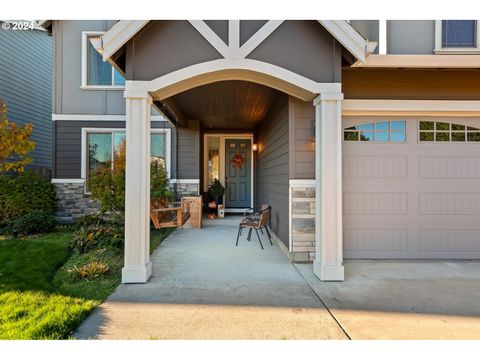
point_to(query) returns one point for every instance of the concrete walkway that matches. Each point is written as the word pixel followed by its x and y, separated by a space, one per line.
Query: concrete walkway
pixel 203 287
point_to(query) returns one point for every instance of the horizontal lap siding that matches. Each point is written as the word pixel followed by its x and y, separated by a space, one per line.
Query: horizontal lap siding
pixel 302 138
pixel 26 86
pixel 272 166
pixel 189 151
pixel 68 143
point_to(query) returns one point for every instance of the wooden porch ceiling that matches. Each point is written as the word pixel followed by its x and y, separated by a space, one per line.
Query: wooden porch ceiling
pixel 226 105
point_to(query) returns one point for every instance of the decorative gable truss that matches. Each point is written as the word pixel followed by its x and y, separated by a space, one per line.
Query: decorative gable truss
pixel 124 30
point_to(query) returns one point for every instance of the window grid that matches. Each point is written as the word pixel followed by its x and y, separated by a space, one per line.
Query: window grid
pixel 440 131
pixel 378 132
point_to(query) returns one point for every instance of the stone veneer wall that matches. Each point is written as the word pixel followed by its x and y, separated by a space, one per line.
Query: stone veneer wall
pixel 303 222
pixel 73 203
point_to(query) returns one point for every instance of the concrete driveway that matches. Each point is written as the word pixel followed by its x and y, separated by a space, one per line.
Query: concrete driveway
pixel 203 287
pixel 404 299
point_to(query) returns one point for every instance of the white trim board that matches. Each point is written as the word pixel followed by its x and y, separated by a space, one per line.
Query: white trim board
pixel 119 34
pixel 68 181
pixel 460 108
pixel 88 117
pixel 230 69
pixel 185 181
pixel 221 151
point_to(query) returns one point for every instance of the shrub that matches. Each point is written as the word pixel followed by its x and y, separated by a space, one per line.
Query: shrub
pixel 106 234
pixel 159 184
pixel 90 270
pixel 23 193
pixel 34 222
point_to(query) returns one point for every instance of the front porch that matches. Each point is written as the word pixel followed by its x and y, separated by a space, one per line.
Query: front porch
pixel 204 287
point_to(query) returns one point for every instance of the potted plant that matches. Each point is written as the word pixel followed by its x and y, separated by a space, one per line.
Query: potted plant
pixel 216 191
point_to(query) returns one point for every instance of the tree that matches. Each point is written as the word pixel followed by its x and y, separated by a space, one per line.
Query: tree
pixel 15 143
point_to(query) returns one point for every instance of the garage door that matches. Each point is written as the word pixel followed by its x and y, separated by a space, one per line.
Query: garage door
pixel 411 188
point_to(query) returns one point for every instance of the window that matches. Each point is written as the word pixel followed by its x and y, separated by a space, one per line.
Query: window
pixel 459 33
pixel 440 131
pixel 106 147
pixel 458 36
pixel 97 74
pixel 213 160
pixel 381 131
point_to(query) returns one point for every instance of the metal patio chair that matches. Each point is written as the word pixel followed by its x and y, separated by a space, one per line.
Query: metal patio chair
pixel 255 220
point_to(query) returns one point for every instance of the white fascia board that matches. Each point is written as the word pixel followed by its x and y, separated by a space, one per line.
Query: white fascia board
pixel 454 108
pixel 347 36
pixel 119 34
pixel 85 117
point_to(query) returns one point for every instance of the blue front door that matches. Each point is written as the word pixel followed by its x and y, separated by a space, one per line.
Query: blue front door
pixel 238 177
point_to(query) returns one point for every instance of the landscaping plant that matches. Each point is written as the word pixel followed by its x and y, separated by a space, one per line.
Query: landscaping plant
pixel 15 143
pixel 91 270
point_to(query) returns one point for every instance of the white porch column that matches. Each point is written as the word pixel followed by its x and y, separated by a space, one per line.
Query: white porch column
pixel 138 267
pixel 328 264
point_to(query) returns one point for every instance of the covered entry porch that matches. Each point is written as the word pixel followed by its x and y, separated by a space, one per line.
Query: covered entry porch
pixel 166 71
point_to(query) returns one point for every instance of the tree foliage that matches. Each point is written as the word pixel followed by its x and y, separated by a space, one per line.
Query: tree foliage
pixel 15 143
pixel 108 184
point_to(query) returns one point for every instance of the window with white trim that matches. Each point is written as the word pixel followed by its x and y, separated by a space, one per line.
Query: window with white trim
pixel 105 148
pixel 97 74
pixel 440 131
pixel 457 36
pixel 380 131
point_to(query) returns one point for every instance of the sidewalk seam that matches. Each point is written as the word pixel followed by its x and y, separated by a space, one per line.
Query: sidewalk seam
pixel 323 303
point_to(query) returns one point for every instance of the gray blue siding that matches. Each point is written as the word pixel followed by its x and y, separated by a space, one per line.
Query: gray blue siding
pixel 188 150
pixel 302 144
pixel 272 166
pixel 26 86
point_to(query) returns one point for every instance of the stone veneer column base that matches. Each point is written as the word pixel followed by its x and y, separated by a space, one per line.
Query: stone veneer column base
pixel 302 220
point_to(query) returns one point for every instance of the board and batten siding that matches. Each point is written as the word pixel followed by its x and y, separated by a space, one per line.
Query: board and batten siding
pixel 302 142
pixel 26 86
pixel 272 166
pixel 68 143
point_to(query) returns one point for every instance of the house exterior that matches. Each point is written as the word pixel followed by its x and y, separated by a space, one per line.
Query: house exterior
pixel 362 135
pixel 25 84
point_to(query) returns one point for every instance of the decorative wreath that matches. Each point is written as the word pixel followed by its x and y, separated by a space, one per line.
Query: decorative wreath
pixel 237 160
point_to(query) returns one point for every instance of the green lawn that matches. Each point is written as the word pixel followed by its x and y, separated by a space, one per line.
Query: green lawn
pixel 39 299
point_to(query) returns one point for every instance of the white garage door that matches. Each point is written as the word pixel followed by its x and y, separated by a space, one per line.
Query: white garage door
pixel 411 188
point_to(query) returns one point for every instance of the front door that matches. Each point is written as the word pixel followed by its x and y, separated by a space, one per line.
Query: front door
pixel 238 174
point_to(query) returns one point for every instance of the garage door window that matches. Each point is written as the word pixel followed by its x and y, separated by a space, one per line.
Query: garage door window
pixel 438 131
pixel 381 131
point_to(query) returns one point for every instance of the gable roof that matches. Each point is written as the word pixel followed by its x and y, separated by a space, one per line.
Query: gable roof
pixel 341 30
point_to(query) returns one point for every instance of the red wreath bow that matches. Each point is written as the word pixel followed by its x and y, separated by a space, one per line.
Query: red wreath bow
pixel 237 160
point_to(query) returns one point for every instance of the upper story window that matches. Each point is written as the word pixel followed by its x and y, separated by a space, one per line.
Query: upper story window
pixel 381 131
pixel 97 74
pixel 460 36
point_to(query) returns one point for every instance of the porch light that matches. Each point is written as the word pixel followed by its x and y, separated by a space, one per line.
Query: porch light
pixel 255 147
